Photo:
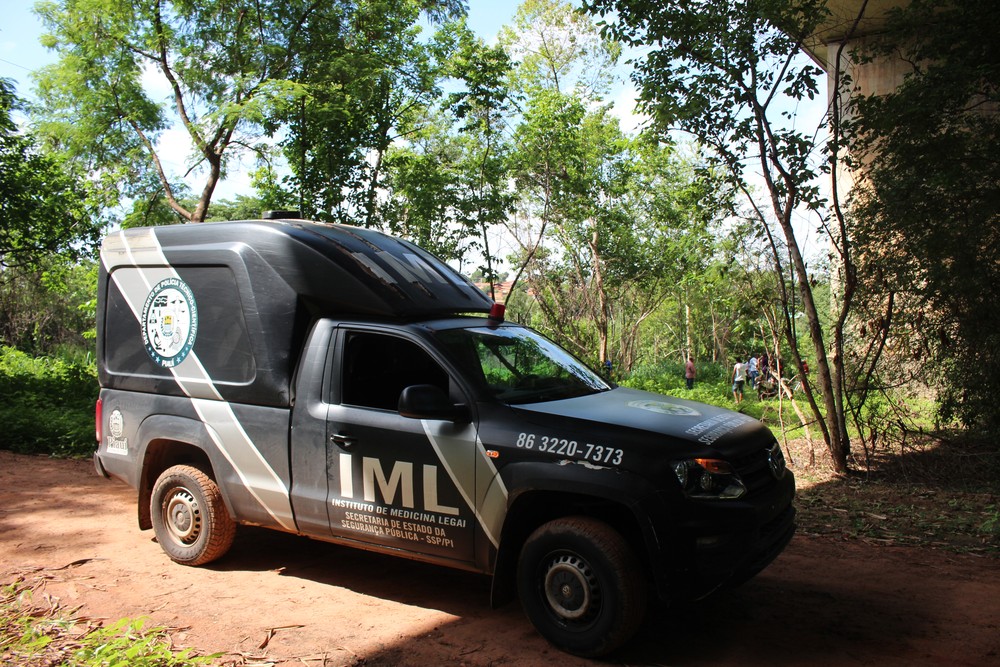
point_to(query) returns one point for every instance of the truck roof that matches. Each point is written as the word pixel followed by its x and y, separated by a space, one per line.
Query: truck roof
pixel 336 269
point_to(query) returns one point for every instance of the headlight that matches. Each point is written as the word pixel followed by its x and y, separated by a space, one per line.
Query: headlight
pixel 709 478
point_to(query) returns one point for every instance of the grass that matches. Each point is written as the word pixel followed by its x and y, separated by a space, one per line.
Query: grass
pixel 37 631
pixel 713 386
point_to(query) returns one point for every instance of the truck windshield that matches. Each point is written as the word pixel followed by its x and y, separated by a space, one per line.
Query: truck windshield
pixel 519 365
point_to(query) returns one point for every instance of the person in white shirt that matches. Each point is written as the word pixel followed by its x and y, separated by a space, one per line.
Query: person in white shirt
pixel 739 377
pixel 752 371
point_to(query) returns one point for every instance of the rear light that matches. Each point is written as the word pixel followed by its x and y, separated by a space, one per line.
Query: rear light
pixel 98 419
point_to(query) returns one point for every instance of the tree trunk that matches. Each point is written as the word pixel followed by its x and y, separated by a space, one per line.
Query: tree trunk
pixel 689 346
pixel 832 425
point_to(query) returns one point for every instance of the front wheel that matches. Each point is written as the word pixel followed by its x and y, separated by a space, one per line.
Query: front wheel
pixel 581 585
pixel 189 516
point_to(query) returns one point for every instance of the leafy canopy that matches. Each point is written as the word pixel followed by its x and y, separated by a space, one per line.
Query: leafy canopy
pixel 44 207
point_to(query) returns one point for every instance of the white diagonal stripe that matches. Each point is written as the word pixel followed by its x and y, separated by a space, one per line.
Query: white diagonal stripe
pixel 475 476
pixel 140 250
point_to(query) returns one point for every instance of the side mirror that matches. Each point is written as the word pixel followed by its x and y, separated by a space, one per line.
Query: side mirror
pixel 426 401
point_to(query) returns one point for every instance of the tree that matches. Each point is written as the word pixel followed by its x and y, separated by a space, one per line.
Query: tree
pixel 649 239
pixel 564 66
pixel 571 163
pixel 448 181
pixel 367 81
pixel 928 205
pixel 44 207
pixel 230 73
pixel 606 224
pixel 620 224
pixel 423 178
pixel 221 66
pixel 49 306
pixel 483 109
pixel 720 72
pixel 559 49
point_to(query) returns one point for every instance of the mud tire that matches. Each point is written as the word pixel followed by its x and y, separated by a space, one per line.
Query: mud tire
pixel 581 586
pixel 189 516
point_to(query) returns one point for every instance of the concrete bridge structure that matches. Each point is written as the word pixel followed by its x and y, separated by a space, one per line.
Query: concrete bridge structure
pixel 851 24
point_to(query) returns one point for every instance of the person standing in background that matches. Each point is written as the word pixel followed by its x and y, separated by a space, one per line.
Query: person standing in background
pixel 752 370
pixel 739 377
pixel 689 373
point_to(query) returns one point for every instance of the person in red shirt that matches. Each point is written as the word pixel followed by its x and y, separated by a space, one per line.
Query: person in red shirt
pixel 689 373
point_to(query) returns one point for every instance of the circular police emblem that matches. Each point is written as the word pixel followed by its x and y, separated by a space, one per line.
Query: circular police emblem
pixel 665 408
pixel 169 322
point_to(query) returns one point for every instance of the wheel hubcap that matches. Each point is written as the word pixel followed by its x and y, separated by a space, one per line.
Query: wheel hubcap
pixel 182 516
pixel 570 587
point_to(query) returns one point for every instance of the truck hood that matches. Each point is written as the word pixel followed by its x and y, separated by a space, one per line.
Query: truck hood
pixel 651 420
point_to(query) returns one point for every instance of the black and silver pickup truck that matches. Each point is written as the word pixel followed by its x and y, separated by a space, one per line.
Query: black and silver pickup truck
pixel 345 385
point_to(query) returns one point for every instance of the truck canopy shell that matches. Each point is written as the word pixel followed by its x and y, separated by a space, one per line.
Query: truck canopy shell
pixel 220 310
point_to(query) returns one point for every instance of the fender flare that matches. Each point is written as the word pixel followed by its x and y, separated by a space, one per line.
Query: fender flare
pixel 190 434
pixel 607 487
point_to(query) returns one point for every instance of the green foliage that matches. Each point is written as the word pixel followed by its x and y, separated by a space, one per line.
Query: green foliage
pixel 711 384
pixel 716 70
pixel 559 49
pixel 242 207
pixel 157 210
pixel 44 206
pixel 726 72
pixel 49 306
pixel 368 79
pixel 46 404
pixel 236 71
pixel 154 209
pixel 609 225
pixel 133 643
pixel 448 181
pixel 426 182
pixel 991 524
pixel 35 635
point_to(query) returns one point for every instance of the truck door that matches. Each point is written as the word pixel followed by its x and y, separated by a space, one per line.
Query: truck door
pixel 394 481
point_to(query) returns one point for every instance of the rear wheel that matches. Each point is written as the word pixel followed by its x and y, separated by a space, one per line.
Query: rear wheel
pixel 581 585
pixel 189 516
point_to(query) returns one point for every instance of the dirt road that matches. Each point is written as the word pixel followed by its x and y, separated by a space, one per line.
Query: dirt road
pixel 282 600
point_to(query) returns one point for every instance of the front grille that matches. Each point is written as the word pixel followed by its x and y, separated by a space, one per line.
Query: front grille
pixel 755 470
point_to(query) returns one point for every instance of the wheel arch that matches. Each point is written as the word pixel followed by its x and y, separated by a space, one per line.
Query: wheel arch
pixel 169 441
pixel 532 508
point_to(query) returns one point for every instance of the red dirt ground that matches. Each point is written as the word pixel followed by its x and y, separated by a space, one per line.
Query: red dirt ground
pixel 277 599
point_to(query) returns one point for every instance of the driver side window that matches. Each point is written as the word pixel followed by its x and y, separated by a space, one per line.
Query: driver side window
pixel 377 367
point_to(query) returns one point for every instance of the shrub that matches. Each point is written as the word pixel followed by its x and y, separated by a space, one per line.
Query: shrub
pixel 46 404
pixel 667 377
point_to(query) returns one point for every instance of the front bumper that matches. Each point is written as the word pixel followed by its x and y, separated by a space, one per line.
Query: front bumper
pixel 723 542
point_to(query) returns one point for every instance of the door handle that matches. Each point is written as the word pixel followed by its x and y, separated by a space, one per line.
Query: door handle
pixel 343 440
